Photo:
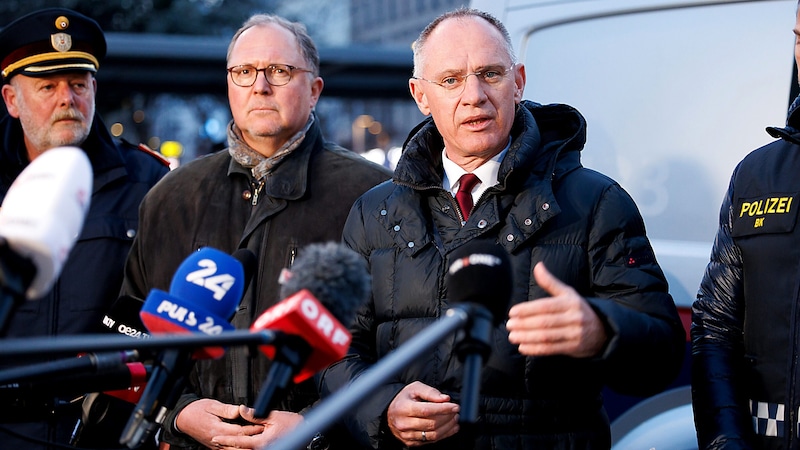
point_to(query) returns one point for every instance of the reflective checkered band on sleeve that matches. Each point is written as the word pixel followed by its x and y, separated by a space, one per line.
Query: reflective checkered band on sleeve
pixel 768 418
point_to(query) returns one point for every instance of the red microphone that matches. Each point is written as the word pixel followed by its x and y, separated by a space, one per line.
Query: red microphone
pixel 303 315
pixel 322 292
pixel 133 392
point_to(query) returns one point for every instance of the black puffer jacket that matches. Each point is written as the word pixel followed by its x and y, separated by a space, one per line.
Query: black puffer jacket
pixel 548 208
pixel 745 334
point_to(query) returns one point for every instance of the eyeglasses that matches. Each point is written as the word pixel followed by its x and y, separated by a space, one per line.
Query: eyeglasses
pixel 453 85
pixel 276 74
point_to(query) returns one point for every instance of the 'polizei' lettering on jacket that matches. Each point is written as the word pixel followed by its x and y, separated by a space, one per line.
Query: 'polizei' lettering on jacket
pixel 772 213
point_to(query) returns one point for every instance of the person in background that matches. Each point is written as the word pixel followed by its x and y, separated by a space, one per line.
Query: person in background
pixel 48 61
pixel 745 377
pixel 277 188
pixel 589 305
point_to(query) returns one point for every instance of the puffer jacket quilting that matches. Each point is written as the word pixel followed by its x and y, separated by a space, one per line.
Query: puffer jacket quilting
pixel 548 208
pixel 744 322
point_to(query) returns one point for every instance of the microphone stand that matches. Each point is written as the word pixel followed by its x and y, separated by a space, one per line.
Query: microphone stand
pixel 473 350
pixel 289 358
pixel 328 411
pixel 82 343
pixel 88 363
pixel 154 404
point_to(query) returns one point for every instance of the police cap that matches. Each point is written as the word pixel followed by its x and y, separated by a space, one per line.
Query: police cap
pixel 49 41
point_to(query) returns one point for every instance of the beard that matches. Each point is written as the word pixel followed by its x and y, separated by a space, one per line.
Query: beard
pixel 64 128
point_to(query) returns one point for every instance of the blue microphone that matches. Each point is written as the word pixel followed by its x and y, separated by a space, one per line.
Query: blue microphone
pixel 204 293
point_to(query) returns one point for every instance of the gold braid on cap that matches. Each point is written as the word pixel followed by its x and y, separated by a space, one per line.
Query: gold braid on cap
pixel 53 56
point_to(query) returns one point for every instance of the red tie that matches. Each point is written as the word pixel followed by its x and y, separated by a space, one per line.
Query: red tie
pixel 464 194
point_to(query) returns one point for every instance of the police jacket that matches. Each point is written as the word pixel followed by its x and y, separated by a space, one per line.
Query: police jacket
pixel 548 208
pixel 745 321
pixel 211 202
pixel 92 274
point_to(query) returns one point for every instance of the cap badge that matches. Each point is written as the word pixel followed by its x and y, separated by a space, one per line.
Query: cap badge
pixel 62 23
pixel 61 41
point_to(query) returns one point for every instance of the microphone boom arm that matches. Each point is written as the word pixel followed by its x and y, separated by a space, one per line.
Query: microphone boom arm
pixel 81 343
pixel 328 411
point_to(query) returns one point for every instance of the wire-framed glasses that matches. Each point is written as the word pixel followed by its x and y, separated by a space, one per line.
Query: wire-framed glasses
pixel 453 84
pixel 276 74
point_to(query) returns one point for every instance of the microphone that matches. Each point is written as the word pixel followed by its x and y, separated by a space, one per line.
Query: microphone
pixel 40 220
pixel 105 409
pixel 23 398
pixel 75 376
pixel 479 280
pixel 123 318
pixel 107 404
pixel 204 293
pixel 322 292
pixel 89 363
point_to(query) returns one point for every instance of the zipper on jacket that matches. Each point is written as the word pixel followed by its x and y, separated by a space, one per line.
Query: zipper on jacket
pixel 256 190
pixel 453 201
pixel 458 208
pixel 291 254
pixel 474 205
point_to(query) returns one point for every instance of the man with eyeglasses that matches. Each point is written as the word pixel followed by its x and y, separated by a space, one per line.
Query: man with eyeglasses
pixel 589 305
pixel 277 188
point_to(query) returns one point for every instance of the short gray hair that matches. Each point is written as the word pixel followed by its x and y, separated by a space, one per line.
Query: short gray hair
pixel 307 46
pixel 459 13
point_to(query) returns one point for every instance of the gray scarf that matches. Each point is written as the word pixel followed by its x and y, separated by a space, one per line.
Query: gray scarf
pixel 260 165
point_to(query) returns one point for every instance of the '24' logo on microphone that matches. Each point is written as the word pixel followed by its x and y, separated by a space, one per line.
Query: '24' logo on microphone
pixel 207 277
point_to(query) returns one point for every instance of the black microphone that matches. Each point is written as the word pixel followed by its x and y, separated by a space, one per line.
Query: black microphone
pixel 205 292
pixel 90 363
pixel 478 279
pixel 105 411
pixel 123 318
pixel 113 376
pixel 322 293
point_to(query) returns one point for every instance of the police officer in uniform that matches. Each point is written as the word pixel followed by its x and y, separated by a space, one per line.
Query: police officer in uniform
pixel 48 61
pixel 746 319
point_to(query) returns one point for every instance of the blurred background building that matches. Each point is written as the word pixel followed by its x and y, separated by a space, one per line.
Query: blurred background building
pixel 163 81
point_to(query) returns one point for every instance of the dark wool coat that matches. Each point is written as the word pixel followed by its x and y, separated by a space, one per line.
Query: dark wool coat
pixel 207 202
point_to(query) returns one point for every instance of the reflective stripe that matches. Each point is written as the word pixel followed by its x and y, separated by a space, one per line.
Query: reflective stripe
pixel 769 418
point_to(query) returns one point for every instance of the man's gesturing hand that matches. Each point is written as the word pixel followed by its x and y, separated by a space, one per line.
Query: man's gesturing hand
pixel 563 324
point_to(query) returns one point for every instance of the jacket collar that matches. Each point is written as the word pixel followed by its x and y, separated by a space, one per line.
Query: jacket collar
pixel 542 135
pixel 289 179
pixel 546 143
pixel 791 132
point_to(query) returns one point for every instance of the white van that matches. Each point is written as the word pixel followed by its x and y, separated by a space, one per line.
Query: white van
pixel 675 93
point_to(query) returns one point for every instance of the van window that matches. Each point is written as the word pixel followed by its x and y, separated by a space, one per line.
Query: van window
pixel 673 99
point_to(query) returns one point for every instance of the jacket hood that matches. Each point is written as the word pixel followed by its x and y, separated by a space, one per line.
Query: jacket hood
pixel 546 139
pixel 791 132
